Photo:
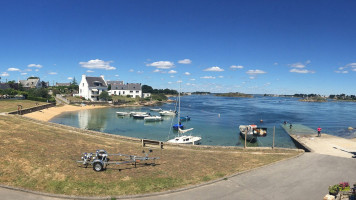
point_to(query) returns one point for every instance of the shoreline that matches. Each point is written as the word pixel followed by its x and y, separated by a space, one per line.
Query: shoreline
pixel 49 113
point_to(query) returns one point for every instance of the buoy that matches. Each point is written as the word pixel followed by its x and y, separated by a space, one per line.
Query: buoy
pixel 219 115
pixel 350 128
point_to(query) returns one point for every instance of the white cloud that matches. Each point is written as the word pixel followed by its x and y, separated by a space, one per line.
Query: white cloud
pixel 185 61
pixel 192 79
pixel 28 70
pixel 214 69
pixel 36 70
pixel 140 72
pixel 221 76
pixel 172 72
pixel 162 64
pixel 90 71
pixel 252 77
pixel 5 74
pixel 116 75
pixel 24 73
pixel 52 73
pixel 97 64
pixel 188 84
pixel 276 63
pixel 13 69
pixel 308 62
pixel 342 72
pixel 70 78
pixel 234 67
pixel 169 82
pixel 187 73
pixel 255 72
pixel 208 77
pixel 131 70
pixel 301 71
pixel 297 65
pixel 35 65
pixel 171 76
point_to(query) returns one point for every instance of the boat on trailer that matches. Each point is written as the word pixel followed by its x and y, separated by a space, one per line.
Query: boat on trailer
pixel 252 132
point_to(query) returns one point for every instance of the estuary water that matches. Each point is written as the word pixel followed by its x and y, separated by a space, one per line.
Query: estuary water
pixel 216 119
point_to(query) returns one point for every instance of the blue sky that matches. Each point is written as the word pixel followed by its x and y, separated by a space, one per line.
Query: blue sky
pixel 277 46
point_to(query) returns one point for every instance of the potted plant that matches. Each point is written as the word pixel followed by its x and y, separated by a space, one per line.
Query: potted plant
pixel 334 190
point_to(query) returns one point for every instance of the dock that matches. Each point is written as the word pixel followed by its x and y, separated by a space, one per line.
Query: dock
pixel 306 138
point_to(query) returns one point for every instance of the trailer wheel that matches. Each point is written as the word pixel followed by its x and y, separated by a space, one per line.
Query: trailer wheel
pixel 97 167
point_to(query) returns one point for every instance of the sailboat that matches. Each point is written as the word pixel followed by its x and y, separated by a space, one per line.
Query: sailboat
pixel 182 137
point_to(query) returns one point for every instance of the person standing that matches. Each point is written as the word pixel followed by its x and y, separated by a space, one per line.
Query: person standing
pixel 319 131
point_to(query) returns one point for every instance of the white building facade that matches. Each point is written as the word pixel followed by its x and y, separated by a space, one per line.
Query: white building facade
pixel 91 87
pixel 120 89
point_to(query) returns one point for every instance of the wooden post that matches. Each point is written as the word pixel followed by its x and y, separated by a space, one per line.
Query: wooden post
pixel 245 138
pixel 274 128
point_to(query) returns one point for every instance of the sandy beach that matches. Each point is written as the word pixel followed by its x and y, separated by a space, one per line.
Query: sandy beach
pixel 48 114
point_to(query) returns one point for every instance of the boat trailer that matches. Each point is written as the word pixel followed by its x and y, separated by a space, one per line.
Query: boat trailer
pixel 100 159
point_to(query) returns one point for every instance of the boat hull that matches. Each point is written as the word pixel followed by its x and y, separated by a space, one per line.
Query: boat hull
pixel 186 139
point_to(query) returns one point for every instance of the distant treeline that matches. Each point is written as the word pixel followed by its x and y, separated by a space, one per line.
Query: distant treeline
pixel 233 94
pixel 149 89
pixel 200 93
pixel 318 96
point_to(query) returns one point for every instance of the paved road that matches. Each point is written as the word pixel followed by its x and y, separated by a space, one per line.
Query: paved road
pixel 305 177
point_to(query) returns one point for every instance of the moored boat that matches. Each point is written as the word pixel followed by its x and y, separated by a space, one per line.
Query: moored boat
pixel 141 116
pixel 122 113
pixel 252 132
pixel 156 109
pixel 186 118
pixel 168 113
pixel 153 118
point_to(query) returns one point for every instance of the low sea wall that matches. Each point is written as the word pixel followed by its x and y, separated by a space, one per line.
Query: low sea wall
pixel 33 109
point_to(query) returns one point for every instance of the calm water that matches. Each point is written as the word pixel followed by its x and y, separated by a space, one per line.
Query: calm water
pixel 216 119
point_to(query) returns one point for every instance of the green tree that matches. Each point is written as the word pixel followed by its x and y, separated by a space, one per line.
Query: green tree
pixel 104 95
pixel 147 89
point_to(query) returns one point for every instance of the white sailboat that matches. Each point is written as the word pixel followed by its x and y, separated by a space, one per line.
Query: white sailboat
pixel 182 137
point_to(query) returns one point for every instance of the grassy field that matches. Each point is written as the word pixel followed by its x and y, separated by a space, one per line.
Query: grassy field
pixel 11 105
pixel 43 158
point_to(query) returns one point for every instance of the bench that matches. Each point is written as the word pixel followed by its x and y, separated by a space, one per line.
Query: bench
pixel 154 142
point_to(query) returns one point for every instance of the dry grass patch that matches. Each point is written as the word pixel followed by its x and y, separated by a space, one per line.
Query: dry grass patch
pixel 11 105
pixel 42 158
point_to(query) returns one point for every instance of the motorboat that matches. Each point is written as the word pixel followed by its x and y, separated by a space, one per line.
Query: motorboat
pixel 252 132
pixel 122 113
pixel 156 109
pixel 137 113
pixel 168 113
pixel 153 118
pixel 141 116
pixel 186 118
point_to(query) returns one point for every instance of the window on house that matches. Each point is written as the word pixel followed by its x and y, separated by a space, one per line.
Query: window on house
pixel 137 91
pixel 131 91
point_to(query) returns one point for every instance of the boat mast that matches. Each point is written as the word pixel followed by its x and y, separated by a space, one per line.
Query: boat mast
pixel 179 104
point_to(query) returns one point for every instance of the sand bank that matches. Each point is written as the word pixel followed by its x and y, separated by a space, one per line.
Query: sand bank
pixel 330 145
pixel 48 114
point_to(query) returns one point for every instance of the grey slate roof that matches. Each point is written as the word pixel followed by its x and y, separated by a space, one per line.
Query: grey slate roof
pixel 29 82
pixel 93 80
pixel 4 86
pixel 62 84
pixel 115 82
pixel 128 86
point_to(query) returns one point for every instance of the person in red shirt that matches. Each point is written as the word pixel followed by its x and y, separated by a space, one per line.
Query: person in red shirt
pixel 319 131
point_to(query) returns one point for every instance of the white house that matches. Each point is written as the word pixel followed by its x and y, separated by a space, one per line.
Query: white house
pixel 31 82
pixel 92 87
pixel 121 89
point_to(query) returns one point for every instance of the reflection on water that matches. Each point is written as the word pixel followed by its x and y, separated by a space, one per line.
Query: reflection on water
pixel 216 119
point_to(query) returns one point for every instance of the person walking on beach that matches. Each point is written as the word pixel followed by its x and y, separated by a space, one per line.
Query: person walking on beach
pixel 319 131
